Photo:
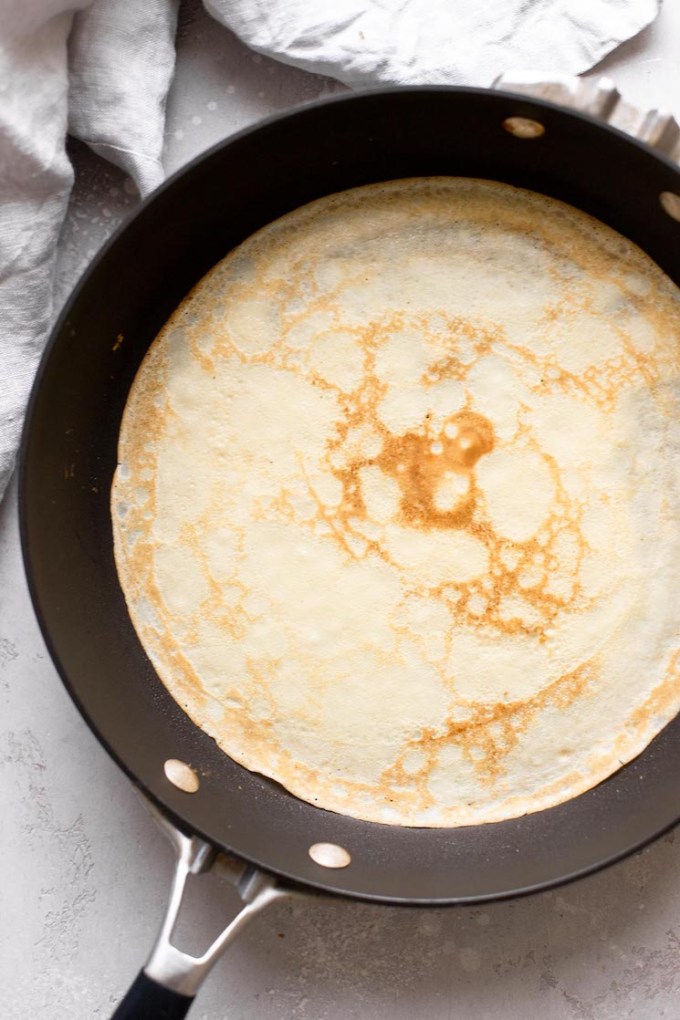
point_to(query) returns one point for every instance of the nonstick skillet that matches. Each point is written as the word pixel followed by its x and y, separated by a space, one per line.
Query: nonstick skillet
pixel 215 811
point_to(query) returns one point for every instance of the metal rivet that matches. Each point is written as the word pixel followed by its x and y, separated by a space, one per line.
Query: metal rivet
pixel 329 855
pixel 181 775
pixel 671 204
pixel 523 127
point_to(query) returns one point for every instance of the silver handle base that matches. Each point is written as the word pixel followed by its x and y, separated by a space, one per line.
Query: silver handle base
pixel 171 967
pixel 599 97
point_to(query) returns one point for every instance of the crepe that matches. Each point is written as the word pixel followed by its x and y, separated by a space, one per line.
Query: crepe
pixel 396 510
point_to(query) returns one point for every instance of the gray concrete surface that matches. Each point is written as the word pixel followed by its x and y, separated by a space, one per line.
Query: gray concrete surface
pixel 85 872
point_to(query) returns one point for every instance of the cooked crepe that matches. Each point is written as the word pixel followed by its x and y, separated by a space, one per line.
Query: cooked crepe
pixel 396 510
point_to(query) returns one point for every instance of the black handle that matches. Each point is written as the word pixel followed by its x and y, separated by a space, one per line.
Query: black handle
pixel 147 1000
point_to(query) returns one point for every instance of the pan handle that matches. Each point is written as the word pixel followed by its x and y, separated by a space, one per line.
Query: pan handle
pixel 147 1000
pixel 166 987
pixel 600 98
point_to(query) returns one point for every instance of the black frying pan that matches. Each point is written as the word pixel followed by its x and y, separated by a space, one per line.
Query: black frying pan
pixel 69 455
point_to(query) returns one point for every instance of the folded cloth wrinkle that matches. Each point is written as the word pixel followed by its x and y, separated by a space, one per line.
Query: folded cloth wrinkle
pixel 35 181
pixel 102 69
pixel 426 41
pixel 121 61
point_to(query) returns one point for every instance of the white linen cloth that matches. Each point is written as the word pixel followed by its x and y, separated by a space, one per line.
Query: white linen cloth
pixel 101 70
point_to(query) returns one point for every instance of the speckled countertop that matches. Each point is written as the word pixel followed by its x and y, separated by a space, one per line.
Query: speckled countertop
pixel 85 872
